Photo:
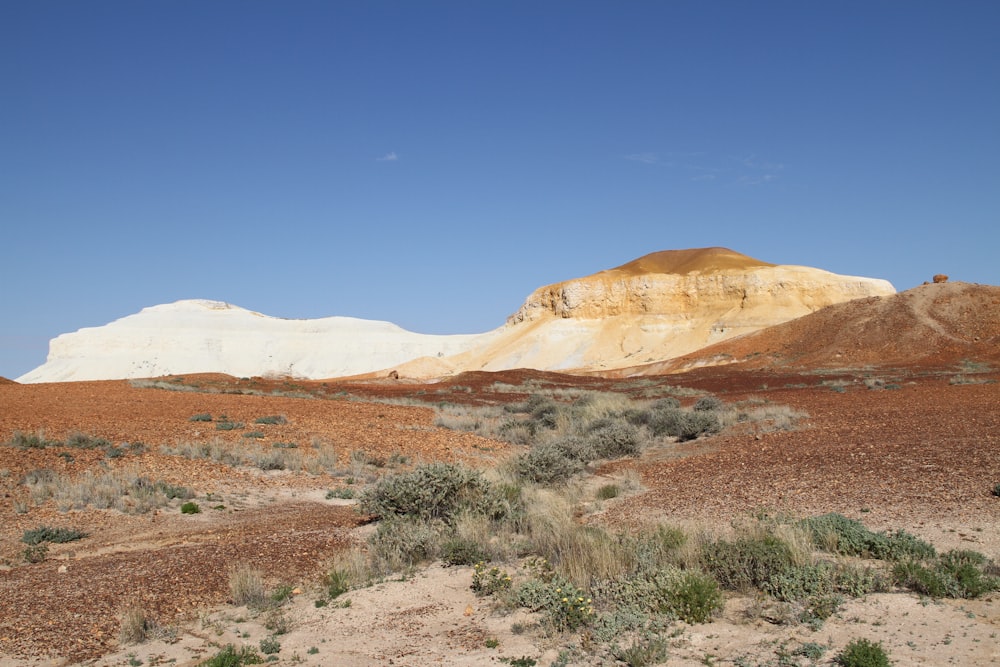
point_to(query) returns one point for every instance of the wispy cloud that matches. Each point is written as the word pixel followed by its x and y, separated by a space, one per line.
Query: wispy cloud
pixel 645 158
pixel 388 157
pixel 760 179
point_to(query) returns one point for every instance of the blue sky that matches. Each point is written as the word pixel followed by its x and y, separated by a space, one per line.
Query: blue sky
pixel 432 163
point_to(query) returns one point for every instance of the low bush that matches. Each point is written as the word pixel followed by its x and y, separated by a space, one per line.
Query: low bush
pixel 748 563
pixel 838 534
pixel 693 597
pixel 271 419
pixel 201 417
pixel 546 464
pixel 47 534
pixel 438 491
pixel 229 656
pixel 190 507
pixel 955 574
pixel 863 653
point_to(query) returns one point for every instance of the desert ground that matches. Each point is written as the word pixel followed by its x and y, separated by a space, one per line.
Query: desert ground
pixel 913 449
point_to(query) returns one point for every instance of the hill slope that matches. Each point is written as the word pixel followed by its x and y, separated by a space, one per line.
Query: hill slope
pixel 934 325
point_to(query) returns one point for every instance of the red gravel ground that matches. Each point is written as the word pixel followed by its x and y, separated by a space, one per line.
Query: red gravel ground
pixel 923 457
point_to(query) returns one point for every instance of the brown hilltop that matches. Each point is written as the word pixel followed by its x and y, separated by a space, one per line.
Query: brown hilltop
pixel 934 326
pixel 684 262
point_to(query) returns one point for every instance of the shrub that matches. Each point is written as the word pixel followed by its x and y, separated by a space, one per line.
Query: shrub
pixel 838 534
pixel 489 581
pixel 608 491
pixel 955 574
pixel 649 650
pixel 863 653
pixel 270 645
pixel 230 657
pixel 47 534
pixel 31 441
pixel 747 563
pixel 228 425
pixel 83 441
pixel 437 491
pixel 546 464
pixel 271 419
pixel 694 597
pixel 254 434
pixel 461 551
pixel 708 404
pixel 614 440
pixel 190 507
pixel 201 417
pixel 36 553
pixel 342 492
pixel 996 490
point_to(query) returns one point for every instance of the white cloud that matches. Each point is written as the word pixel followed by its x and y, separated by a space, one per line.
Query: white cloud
pixel 388 157
pixel 645 158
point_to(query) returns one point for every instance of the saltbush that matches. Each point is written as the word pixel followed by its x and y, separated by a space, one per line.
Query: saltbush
pixel 47 534
pixel 546 464
pixel 438 491
pixel 863 653
pixel 747 563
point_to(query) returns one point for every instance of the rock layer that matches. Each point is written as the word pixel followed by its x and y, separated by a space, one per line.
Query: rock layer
pixel 657 307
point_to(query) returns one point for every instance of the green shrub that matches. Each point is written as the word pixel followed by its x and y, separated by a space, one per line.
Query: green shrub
pixel 83 441
pixel 343 493
pixel 270 645
pixel 201 417
pixel 955 574
pixel 437 491
pixel 608 491
pixel 489 580
pixel 648 650
pixel 47 534
pixel 36 553
pixel 228 425
pixel 31 441
pixel 190 507
pixel 863 653
pixel 546 464
pixel 254 434
pixel 461 551
pixel 693 598
pixel 748 562
pixel 996 491
pixel 271 419
pixel 838 534
pixel 230 657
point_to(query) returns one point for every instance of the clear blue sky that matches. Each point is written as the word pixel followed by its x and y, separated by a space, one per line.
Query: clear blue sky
pixel 432 163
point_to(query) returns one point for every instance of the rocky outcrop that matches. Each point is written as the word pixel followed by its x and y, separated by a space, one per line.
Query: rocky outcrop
pixel 199 336
pixel 657 307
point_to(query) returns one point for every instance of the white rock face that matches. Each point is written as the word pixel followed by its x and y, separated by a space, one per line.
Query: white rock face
pixel 198 336
pixel 655 308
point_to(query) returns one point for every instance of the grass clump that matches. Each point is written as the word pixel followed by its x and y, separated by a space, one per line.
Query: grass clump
pixel 246 586
pixel 200 417
pixel 56 535
pixel 190 507
pixel 863 653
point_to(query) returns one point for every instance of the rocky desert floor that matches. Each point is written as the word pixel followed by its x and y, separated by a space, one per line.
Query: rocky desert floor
pixel 922 455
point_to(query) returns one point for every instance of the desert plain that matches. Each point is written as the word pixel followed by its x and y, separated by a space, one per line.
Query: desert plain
pixel 911 444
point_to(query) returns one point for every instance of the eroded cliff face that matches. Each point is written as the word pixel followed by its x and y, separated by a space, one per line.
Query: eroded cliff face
pixel 655 308
pixel 690 284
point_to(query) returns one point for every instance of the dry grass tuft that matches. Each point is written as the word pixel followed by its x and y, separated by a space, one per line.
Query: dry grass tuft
pixel 246 586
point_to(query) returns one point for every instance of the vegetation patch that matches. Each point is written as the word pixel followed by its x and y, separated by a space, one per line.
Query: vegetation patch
pixel 56 535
